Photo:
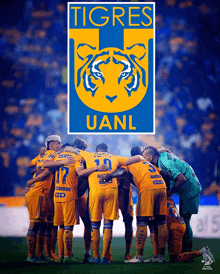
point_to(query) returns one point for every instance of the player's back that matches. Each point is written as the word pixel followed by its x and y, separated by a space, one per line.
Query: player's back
pixel 43 186
pixel 99 158
pixel 66 180
pixel 146 176
pixel 175 166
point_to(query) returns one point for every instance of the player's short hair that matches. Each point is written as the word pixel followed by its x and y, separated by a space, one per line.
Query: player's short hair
pixel 151 151
pixel 80 144
pixel 137 150
pixel 51 138
pixel 101 147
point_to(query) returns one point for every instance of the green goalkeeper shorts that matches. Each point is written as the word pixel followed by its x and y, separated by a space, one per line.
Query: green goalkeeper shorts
pixel 189 206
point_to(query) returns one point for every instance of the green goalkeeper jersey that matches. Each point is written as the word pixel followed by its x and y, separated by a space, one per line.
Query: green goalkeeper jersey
pixel 174 166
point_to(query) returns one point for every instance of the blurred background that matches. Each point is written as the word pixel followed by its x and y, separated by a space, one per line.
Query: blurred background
pixel 33 82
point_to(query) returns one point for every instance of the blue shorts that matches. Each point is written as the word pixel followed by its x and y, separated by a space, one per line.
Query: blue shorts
pixel 189 206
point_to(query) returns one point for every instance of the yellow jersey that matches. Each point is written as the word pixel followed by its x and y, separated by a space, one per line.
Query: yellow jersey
pixel 146 176
pixel 99 158
pixel 41 187
pixel 172 213
pixel 66 180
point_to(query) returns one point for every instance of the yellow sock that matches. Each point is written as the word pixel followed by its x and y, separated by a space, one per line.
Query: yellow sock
pixel 141 236
pixel 60 242
pixel 188 255
pixel 107 239
pixel 154 241
pixel 31 243
pixel 95 234
pixel 67 239
pixel 110 254
pixel 162 235
pixel 40 245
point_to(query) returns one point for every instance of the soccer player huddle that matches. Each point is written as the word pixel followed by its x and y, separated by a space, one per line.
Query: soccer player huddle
pixel 57 196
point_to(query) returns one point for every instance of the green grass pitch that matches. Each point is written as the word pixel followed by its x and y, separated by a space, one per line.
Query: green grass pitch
pixel 13 254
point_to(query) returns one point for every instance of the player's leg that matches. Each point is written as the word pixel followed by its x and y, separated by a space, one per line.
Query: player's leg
pixel 40 240
pixel 95 233
pixel 36 212
pixel 84 214
pixel 160 211
pixel 187 208
pixel 144 211
pixel 154 238
pixel 47 240
pixel 128 219
pixel 110 213
pixel 59 221
pixel 187 238
pixel 71 218
pixel 186 256
pixel 53 242
pixel 125 200
pixel 107 238
pixel 162 233
pixel 50 236
pixel 60 243
pixel 141 234
pixel 128 236
pixel 31 239
pixel 96 209
pixel 68 239
pixel 176 232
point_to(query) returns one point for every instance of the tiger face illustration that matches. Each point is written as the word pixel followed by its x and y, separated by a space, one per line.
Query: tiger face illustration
pixel 111 80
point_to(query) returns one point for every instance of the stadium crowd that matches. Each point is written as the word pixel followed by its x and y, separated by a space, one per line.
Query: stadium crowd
pixel 34 89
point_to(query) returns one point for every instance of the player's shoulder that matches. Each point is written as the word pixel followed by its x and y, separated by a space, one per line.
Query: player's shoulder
pixel 50 152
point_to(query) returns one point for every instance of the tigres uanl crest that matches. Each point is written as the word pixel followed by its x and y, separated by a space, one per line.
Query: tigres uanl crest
pixel 111 68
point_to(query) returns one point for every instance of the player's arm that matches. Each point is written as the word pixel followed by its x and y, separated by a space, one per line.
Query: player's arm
pixel 40 177
pixel 82 172
pixel 55 164
pixel 163 149
pixel 119 172
pixel 166 178
pixel 32 163
pixel 36 170
pixel 179 181
pixel 134 159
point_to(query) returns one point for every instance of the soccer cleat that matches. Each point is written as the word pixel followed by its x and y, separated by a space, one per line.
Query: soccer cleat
pixel 96 260
pixel 138 259
pixel 206 251
pixel 54 257
pixel 43 259
pixel 32 260
pixel 152 259
pixel 161 259
pixel 127 257
pixel 69 260
pixel 105 260
pixel 110 258
pixel 87 259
